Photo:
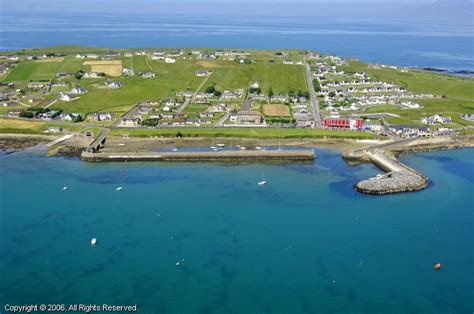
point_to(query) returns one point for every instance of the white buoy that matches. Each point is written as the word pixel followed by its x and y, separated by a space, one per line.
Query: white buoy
pixel 65 188
pixel 119 188
pixel 93 241
pixel 177 264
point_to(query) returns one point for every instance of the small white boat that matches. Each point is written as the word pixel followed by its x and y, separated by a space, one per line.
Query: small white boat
pixel 242 148
pixel 220 145
pixel 175 149
pixel 121 144
pixel 263 181
pixel 258 148
pixel 65 188
pixel 119 188
pixel 237 146
pixel 93 241
pixel 213 147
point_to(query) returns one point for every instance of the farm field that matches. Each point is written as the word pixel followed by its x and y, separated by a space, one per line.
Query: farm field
pixel 276 110
pixel 112 68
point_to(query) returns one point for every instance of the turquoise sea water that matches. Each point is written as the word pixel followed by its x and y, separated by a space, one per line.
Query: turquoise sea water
pixel 407 42
pixel 305 243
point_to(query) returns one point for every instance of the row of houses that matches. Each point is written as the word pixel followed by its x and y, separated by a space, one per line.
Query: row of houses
pixel 101 116
pixel 436 119
pixel 289 62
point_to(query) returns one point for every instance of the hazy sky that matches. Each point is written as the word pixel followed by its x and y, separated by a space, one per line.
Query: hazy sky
pixel 453 10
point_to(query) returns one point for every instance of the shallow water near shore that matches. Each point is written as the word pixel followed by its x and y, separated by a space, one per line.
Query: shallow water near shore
pixel 305 242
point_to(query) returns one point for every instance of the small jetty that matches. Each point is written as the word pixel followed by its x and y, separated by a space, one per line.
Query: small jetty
pixel 224 156
pixel 99 142
pixel 398 177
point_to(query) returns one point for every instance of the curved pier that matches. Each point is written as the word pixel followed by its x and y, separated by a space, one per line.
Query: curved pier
pixel 398 178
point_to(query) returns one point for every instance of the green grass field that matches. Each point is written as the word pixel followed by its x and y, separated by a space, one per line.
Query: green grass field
pixel 195 108
pixel 22 72
pixel 280 77
pixel 139 64
pixel 15 126
pixel 246 133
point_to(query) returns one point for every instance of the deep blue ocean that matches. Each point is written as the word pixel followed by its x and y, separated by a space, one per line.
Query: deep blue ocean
pixel 304 243
pixel 403 42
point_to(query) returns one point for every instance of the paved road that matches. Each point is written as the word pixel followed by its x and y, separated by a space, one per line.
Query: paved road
pixel 221 121
pixel 314 99
pixel 188 100
pixel 247 104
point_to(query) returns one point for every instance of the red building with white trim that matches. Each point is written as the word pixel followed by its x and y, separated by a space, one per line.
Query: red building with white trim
pixel 343 123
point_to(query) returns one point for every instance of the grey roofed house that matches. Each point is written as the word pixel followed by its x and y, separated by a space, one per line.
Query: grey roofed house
pixel 202 73
pixel 62 74
pixel 9 103
pixel 111 84
pixel 468 116
pixel 148 74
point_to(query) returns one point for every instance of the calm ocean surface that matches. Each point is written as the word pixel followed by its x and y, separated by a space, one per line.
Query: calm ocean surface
pixel 412 42
pixel 306 242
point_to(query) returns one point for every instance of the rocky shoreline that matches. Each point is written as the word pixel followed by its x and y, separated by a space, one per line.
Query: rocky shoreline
pixel 14 143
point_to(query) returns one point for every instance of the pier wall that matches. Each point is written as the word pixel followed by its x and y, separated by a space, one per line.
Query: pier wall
pixel 227 156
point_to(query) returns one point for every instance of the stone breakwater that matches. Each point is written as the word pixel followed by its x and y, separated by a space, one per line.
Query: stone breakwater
pixel 224 156
pixel 399 177
pixel 396 182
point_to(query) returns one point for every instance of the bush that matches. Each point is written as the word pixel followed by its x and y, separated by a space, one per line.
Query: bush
pixel 150 122
pixel 79 74
pixel 210 89
pixel 179 134
pixel 78 119
pixel 317 86
pixel 253 90
pixel 27 114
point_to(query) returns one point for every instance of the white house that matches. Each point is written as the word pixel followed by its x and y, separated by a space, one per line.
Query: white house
pixel 127 72
pixel 68 97
pixel 436 119
pixel 111 84
pixel 101 116
pixel 170 60
pixel 148 74
pixel 78 90
pixel 255 85
pixel 91 56
pixel 91 75
pixel 69 116
pixel 129 122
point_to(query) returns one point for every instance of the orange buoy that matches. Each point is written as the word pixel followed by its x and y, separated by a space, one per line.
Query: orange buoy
pixel 437 266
